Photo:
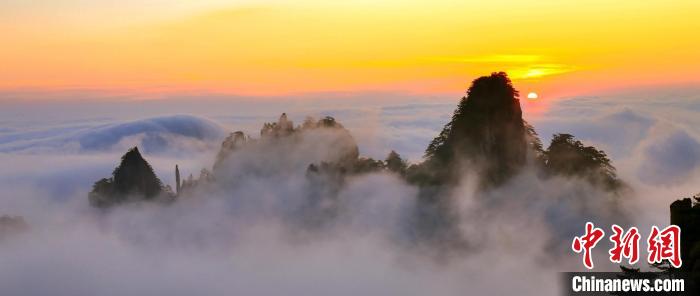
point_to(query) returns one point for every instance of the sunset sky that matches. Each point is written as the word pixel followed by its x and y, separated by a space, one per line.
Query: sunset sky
pixel 296 47
pixel 322 209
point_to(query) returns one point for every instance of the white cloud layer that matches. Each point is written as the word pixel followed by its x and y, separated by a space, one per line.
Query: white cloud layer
pixel 248 234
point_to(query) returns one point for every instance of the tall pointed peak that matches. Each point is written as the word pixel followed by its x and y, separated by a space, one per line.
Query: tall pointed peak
pixel 133 153
pixel 493 91
pixel 133 156
pixel 487 129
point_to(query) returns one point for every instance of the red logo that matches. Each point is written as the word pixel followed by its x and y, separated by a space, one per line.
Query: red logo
pixel 665 245
pixel 626 245
pixel 662 244
pixel 587 242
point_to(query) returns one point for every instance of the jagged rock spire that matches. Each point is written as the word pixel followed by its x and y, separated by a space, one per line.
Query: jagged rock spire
pixel 233 142
pixel 177 180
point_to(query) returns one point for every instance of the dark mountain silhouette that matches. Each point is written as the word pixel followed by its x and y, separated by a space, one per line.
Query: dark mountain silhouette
pixel 569 157
pixel 486 133
pixel 394 163
pixel 486 136
pixel 132 180
pixel 686 214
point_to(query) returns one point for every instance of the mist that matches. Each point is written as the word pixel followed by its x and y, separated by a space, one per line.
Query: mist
pixel 254 231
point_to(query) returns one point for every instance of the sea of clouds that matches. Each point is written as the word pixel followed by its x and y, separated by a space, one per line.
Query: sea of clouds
pixel 248 234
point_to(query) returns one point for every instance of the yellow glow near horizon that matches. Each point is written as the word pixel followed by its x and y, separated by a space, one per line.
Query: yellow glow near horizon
pixel 283 47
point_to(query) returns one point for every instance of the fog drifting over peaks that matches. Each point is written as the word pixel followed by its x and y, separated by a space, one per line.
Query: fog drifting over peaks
pixel 156 134
pixel 254 232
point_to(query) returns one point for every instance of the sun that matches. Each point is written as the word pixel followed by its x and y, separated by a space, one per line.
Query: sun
pixel 532 96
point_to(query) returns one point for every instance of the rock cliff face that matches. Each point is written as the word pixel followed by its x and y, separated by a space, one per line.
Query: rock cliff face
pixel 331 134
pixel 283 127
pixel 686 215
pixel 325 139
pixel 232 143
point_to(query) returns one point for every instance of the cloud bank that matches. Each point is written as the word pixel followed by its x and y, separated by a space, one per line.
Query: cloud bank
pixel 244 235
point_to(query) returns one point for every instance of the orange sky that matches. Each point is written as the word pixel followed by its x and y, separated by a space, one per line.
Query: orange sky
pixel 294 47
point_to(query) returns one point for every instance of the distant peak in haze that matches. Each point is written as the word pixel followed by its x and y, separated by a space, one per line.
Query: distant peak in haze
pixel 132 180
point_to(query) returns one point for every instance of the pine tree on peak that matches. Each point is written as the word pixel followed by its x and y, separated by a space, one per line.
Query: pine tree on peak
pixel 134 175
pixel 486 130
pixel 133 178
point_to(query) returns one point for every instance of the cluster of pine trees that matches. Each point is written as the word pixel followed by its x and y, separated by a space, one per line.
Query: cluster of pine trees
pixel 132 180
